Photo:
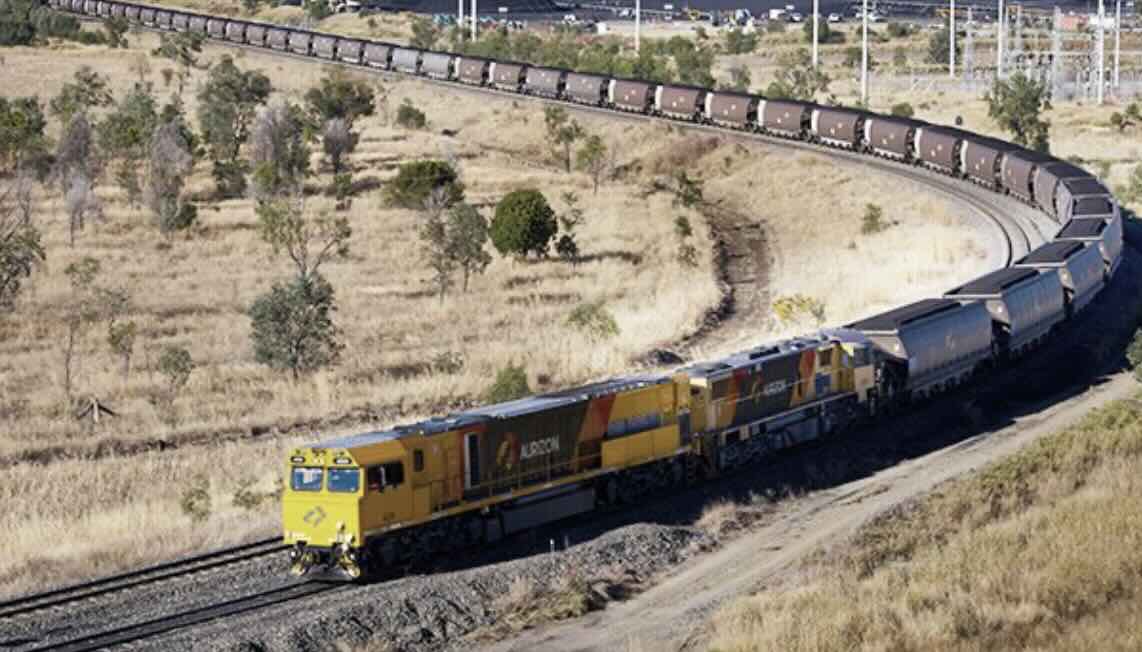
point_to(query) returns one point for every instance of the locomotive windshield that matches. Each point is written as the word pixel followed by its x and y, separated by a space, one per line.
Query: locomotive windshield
pixel 306 478
pixel 344 480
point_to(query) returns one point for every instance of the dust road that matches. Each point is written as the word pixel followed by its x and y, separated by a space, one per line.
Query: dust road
pixel 672 614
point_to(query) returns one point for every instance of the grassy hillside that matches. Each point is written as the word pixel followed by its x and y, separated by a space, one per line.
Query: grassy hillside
pixel 1042 550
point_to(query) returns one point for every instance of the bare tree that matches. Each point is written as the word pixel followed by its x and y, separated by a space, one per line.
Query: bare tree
pixel 280 151
pixel 81 202
pixel 75 152
pixel 169 164
pixel 338 140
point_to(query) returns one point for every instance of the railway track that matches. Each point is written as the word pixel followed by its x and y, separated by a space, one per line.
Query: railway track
pixel 196 616
pixel 181 568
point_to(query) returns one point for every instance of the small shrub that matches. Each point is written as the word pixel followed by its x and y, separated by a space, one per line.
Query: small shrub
pixel 873 220
pixel 448 362
pixel 195 500
pixel 510 384
pixel 795 307
pixel 410 117
pixel 416 180
pixel 1134 355
pixel 567 248
pixel 246 497
pixel 594 319
pixel 903 109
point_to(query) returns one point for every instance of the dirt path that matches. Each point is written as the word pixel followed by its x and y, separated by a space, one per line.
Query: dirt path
pixel 672 614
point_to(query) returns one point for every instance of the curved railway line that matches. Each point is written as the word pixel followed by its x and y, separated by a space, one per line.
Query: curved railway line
pixel 1017 227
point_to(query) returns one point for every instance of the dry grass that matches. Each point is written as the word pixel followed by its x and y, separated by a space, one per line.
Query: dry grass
pixel 1040 551
pixel 726 518
pixel 570 594
pixel 114 513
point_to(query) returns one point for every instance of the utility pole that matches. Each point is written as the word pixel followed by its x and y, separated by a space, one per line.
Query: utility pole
pixel 1057 55
pixel 1101 76
pixel 969 50
pixel 864 54
pixel 1000 24
pixel 1117 40
pixel 816 19
pixel 1017 45
pixel 473 20
pixel 952 39
pixel 460 18
pixel 637 24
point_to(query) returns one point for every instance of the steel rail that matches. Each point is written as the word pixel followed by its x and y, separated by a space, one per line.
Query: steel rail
pixel 141 577
pixel 196 616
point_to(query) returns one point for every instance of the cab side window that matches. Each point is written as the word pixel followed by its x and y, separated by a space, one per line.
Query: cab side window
pixel 384 476
pixel 418 460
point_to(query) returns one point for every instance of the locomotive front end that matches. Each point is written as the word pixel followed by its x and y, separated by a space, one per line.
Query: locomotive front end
pixel 321 509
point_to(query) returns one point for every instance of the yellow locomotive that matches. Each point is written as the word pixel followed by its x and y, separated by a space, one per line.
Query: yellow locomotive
pixel 369 501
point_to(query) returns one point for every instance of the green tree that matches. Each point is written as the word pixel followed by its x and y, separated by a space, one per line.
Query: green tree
pixel 22 125
pixel 228 101
pixel 567 247
pixel 181 48
pixel 113 30
pixel 308 243
pixel 468 235
pixel 901 30
pixel 340 96
pixel 292 326
pixel 938 47
pixel 688 190
pixel 435 241
pixel 80 311
pixel 279 151
pixel 692 61
pixel 21 248
pixel 415 180
pixel 176 365
pixel 124 134
pixel 425 33
pixel 523 223
pixel 317 10
pixel 740 79
pixel 592 159
pixel 510 384
pixel 739 42
pixel 88 90
pixel 796 78
pixel 562 132
pixel 1016 104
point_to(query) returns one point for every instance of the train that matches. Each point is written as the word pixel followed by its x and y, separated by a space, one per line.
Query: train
pixel 360 505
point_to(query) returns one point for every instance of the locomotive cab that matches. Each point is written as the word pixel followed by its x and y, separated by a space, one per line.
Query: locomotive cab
pixel 333 497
